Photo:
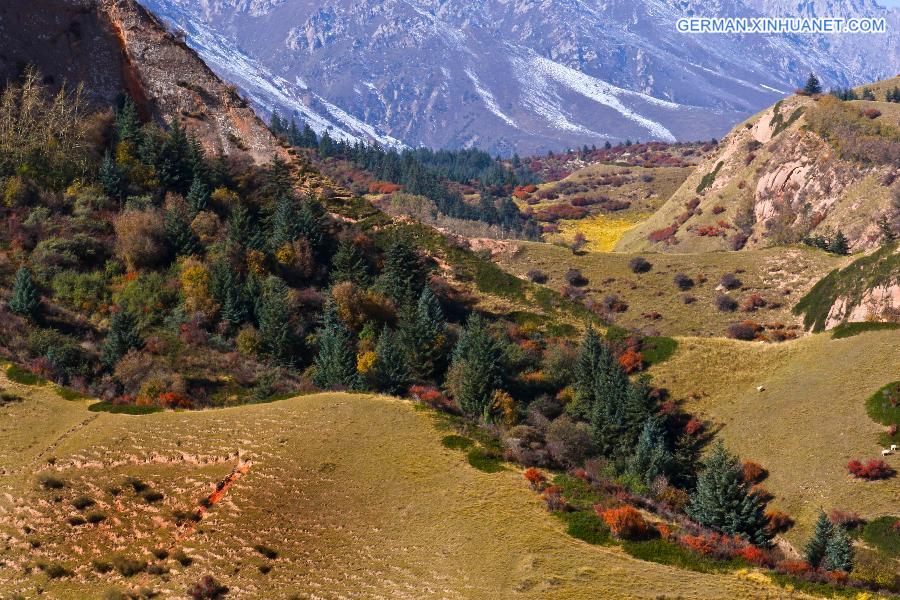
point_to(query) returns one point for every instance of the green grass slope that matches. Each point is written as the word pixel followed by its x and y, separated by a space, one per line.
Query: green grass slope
pixel 338 496
pixel 810 420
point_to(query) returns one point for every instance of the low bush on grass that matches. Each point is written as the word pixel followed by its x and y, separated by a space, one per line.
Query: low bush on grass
pixel 19 375
pixel 76 521
pixel 269 553
pixel 56 571
pixel 639 264
pixel 884 405
pixel 83 502
pixel 668 553
pixel 683 282
pixel 483 461
pixel 123 409
pixel 456 442
pixel 95 517
pixel 207 589
pixel 152 496
pixel 657 349
pixel 70 394
pixel 625 522
pixel 871 470
pixel 128 567
pixel 730 281
pixel 726 303
pixel 50 482
pixel 183 559
pixel 587 526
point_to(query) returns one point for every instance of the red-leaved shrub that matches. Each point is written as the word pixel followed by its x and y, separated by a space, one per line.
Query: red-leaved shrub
pixel 535 478
pixel 871 470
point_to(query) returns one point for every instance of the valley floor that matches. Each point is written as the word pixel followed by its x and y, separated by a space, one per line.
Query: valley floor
pixel 349 495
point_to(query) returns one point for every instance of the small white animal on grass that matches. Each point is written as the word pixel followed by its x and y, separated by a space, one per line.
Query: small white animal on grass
pixel 886 452
pixel 760 388
pixel 893 447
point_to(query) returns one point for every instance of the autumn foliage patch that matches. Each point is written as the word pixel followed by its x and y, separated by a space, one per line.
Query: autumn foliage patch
pixel 871 470
pixel 625 522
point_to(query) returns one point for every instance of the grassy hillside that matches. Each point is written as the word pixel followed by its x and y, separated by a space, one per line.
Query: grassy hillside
pixel 807 424
pixel 804 166
pixel 339 495
pixel 779 275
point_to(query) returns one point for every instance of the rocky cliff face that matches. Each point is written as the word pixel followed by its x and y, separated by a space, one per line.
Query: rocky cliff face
pixel 114 47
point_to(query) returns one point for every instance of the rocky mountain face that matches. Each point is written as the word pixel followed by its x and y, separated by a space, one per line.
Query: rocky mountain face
pixel 518 75
pixel 113 47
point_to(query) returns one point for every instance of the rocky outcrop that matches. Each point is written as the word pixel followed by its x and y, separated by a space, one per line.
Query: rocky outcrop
pixel 112 47
pixel 881 303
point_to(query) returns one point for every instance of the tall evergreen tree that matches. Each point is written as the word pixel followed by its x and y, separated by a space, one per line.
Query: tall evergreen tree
pixel 172 165
pixel 123 336
pixel 392 370
pixel 336 359
pixel 591 356
pixel 276 334
pixel 651 456
pixel 348 264
pixel 283 224
pixel 111 177
pixel 607 415
pixel 25 299
pixel 812 85
pixel 478 366
pixel 403 276
pixel 311 223
pixel 816 547
pixel 198 195
pixel 128 124
pixel 839 551
pixel 723 500
pixel 423 331
pixel 179 235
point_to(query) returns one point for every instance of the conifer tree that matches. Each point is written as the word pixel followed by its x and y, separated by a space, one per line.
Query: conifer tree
pixel 311 225
pixel 348 264
pixel 817 546
pixel 179 235
pixel 423 332
pixel 123 336
pixel 276 335
pixel 867 94
pixel 336 359
pixel 283 224
pixel 128 124
pixel 25 299
pixel 590 358
pixel 839 551
pixel 651 456
pixel 812 85
pixel 477 369
pixel 723 500
pixel 839 244
pixel 198 195
pixel 111 177
pixel 611 389
pixel 392 370
pixel 403 276
pixel 172 165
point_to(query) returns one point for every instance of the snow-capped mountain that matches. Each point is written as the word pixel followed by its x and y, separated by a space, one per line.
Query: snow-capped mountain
pixel 519 75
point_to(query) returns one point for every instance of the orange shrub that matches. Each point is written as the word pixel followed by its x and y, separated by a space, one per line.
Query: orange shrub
pixel 754 555
pixel 753 471
pixel 631 361
pixel 535 478
pixel 625 522
pixel 383 187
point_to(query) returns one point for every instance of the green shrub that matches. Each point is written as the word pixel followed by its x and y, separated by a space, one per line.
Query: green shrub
pixel 123 409
pixel 456 442
pixel 658 349
pixel 586 526
pixel 668 553
pixel 83 502
pixel 709 178
pixel 95 517
pixel 483 461
pixel 128 567
pixel 56 571
pixel 149 296
pixel 266 551
pixel 82 291
pixel 50 482
pixel 884 405
pixel 19 375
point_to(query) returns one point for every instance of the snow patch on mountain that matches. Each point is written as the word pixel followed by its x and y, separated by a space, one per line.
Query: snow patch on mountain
pixel 489 101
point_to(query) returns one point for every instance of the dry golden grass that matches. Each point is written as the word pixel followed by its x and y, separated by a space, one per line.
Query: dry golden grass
pixel 807 424
pixel 602 231
pixel 354 493
pixel 781 275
